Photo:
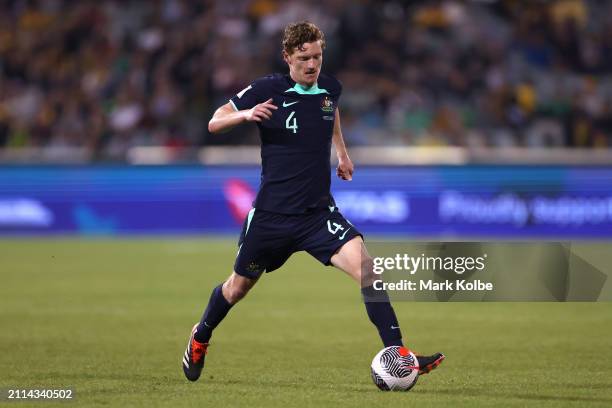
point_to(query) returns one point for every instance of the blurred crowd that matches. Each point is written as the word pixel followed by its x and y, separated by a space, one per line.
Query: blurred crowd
pixel 108 75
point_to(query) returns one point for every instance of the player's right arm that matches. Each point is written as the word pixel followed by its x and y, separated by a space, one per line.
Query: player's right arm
pixel 226 117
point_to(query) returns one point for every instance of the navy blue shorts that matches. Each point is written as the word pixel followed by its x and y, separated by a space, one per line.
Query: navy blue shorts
pixel 268 239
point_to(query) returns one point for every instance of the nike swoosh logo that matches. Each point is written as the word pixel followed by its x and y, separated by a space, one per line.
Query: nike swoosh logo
pixel 285 104
pixel 342 236
pixel 394 327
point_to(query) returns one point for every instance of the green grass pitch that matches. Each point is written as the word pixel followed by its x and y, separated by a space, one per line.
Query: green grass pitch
pixel 110 318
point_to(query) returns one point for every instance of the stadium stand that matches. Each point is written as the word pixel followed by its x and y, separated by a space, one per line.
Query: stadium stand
pixel 104 77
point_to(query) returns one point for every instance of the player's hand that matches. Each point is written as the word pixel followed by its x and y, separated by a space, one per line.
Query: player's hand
pixel 345 169
pixel 261 111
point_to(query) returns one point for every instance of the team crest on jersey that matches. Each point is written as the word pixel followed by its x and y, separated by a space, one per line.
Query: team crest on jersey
pixel 254 267
pixel 327 105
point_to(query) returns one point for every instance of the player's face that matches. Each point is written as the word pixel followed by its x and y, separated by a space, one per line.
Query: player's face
pixel 305 63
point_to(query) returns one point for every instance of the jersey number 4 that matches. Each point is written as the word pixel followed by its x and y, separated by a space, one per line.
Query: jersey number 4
pixel 289 124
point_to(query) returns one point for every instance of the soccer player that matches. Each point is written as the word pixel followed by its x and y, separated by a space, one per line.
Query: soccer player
pixel 298 119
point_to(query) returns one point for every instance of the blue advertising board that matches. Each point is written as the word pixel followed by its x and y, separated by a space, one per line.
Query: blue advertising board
pixel 428 201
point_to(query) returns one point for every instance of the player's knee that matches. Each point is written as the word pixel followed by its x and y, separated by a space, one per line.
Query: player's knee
pixel 236 288
pixel 234 294
pixel 366 271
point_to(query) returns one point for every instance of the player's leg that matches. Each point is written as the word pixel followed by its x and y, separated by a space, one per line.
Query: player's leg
pixel 353 258
pixel 222 298
pixel 338 243
pixel 261 248
pixel 335 241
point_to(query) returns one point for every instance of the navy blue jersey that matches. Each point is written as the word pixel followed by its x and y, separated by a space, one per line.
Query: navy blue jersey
pixel 295 142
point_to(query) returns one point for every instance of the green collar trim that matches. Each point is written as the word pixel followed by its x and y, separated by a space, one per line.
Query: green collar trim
pixel 302 90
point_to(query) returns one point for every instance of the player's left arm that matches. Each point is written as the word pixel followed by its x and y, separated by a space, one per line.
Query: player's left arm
pixel 345 165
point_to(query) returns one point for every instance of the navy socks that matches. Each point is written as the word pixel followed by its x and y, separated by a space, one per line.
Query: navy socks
pixel 216 310
pixel 377 305
pixel 382 315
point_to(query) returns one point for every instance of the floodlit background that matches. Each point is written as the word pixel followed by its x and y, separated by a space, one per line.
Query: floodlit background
pixel 487 119
pixel 119 212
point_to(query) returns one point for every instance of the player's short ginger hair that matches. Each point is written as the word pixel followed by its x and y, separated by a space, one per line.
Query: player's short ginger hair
pixel 296 34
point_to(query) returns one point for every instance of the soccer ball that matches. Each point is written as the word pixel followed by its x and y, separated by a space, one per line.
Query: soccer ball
pixel 395 368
